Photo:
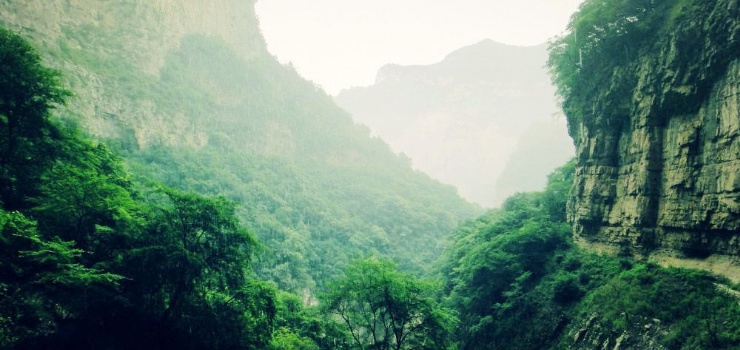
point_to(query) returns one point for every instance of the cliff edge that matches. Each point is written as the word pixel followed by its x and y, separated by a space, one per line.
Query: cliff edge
pixel 652 95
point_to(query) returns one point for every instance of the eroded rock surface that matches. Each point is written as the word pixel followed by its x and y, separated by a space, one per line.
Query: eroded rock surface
pixel 665 182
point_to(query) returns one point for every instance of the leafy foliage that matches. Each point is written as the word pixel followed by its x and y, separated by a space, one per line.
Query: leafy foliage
pixel 697 312
pixel 383 308
pixel 284 339
pixel 299 325
pixel 27 91
pixel 499 259
pixel 613 45
pixel 192 274
pixel 88 261
pixel 518 282
pixel 42 281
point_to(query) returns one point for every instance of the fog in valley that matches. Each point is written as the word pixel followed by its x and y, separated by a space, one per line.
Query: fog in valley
pixel 460 114
pixel 485 107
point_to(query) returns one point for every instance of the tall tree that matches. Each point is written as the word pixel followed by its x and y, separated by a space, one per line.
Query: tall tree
pixel 42 284
pixel 45 283
pixel 192 273
pixel 28 92
pixel 384 308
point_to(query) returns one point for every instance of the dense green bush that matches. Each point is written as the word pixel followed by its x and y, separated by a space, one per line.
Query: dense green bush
pixel 518 282
pixel 689 303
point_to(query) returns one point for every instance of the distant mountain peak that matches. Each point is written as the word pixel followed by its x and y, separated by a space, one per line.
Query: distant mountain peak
pixel 484 58
pixel 493 52
pixel 460 119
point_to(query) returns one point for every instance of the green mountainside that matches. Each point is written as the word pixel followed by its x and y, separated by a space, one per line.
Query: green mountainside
pixel 200 110
pixel 166 187
pixel 90 258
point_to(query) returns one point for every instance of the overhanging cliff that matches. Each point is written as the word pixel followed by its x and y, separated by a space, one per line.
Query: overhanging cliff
pixel 652 95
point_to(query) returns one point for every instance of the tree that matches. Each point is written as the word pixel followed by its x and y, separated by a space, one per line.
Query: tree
pixel 191 272
pixel 384 308
pixel 301 326
pixel 28 92
pixel 85 196
pixel 46 282
pixel 284 339
pixel 42 283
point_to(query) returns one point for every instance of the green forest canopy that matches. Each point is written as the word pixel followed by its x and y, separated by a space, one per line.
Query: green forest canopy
pixel 310 183
pixel 94 258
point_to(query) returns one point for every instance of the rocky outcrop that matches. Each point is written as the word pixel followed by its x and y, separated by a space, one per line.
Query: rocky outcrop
pixel 151 29
pixel 640 333
pixel 98 44
pixel 664 180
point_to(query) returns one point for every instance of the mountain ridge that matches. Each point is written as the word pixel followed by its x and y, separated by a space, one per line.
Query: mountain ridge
pixel 460 119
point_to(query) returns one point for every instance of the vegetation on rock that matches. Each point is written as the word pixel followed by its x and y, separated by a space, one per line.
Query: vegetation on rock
pixel 650 92
pixel 517 281
pixel 683 46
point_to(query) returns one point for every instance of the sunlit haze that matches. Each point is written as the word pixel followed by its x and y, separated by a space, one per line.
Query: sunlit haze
pixel 342 43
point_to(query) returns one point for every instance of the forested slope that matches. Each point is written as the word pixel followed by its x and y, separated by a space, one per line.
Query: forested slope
pixel 93 257
pixel 187 93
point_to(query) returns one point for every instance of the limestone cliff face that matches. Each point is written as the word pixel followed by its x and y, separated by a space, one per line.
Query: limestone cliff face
pixel 96 42
pixel 664 181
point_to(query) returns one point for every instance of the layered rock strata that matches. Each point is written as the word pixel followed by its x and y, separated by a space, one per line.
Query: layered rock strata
pixel 665 184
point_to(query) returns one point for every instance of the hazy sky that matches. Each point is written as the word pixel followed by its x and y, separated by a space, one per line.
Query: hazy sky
pixel 342 43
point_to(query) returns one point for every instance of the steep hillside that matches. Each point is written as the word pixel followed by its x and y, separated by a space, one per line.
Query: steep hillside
pixel 651 92
pixel 186 91
pixel 517 281
pixel 461 119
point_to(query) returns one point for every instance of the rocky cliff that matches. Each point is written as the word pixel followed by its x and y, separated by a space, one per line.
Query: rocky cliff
pixel 95 43
pixel 652 95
